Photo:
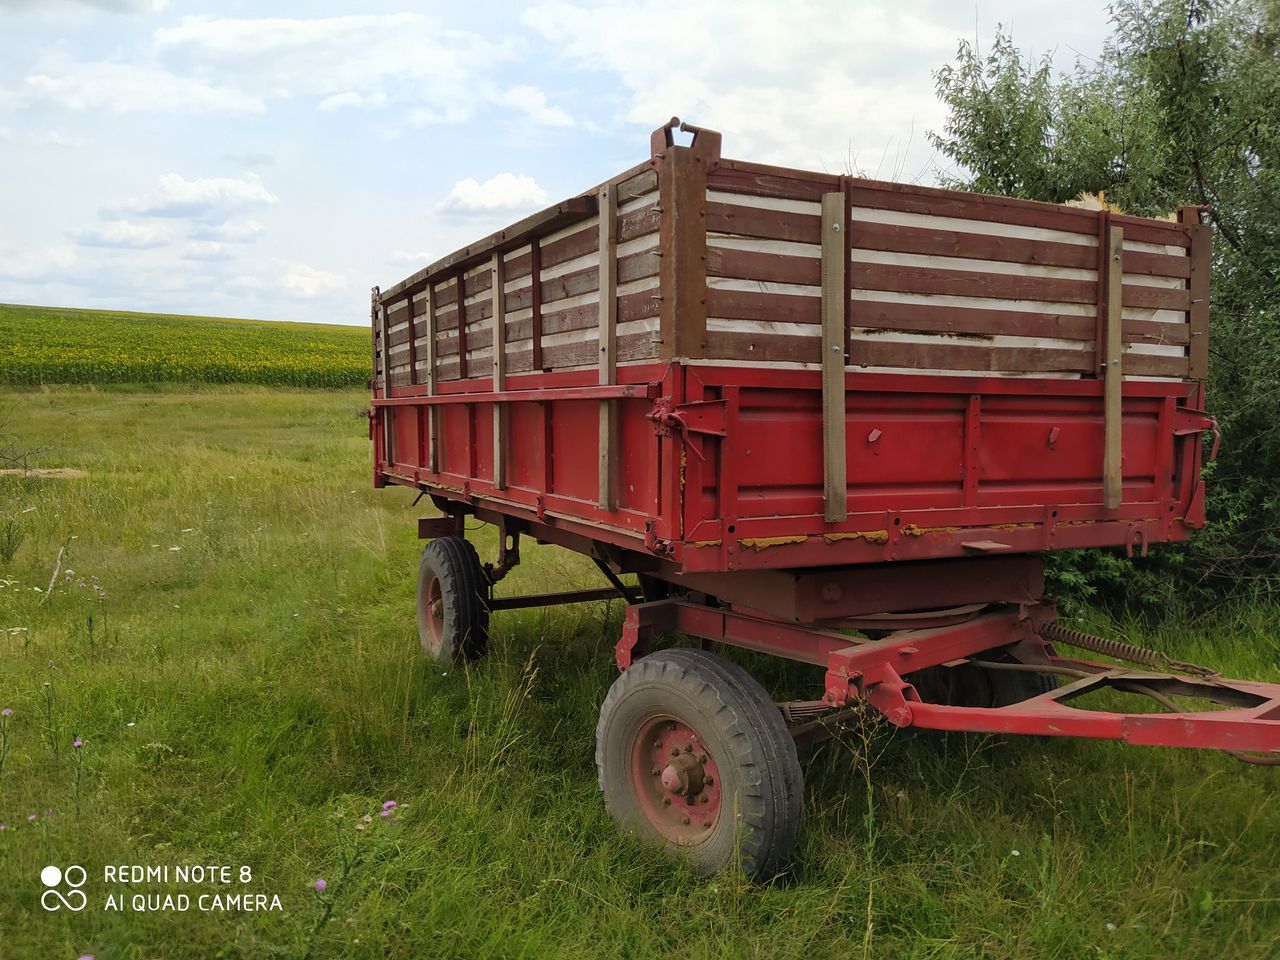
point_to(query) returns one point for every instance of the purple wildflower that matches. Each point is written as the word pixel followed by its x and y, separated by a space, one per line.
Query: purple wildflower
pixel 389 805
pixel 321 886
pixel 31 818
pixel 4 826
pixel 6 712
pixel 77 743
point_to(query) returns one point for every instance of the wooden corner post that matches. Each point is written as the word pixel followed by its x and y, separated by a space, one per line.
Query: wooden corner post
pixel 1201 253
pixel 682 247
pixel 835 304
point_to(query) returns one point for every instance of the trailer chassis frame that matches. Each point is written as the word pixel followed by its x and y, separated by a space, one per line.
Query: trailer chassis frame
pixel 878 671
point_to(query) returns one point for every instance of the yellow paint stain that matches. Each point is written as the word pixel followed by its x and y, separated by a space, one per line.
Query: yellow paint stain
pixel 912 530
pixel 764 543
pixel 705 543
pixel 871 536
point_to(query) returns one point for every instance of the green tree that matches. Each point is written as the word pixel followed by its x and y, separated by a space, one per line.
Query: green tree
pixel 1183 105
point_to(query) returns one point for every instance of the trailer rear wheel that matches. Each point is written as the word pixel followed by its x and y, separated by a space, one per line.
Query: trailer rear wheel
pixel 453 609
pixel 694 756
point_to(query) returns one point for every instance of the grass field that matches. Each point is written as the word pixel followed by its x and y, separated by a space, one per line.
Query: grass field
pixel 57 345
pixel 248 687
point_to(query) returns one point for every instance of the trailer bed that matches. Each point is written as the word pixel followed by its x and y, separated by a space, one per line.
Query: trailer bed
pixel 724 366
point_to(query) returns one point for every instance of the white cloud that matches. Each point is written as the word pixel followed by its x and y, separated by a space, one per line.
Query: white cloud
pixel 406 258
pixel 207 250
pixel 339 100
pixel 41 265
pixel 110 6
pixel 507 192
pixel 50 138
pixel 125 234
pixel 365 60
pixel 533 102
pixel 213 198
pixel 308 281
pixel 250 158
pixel 232 231
pixel 803 83
pixel 110 87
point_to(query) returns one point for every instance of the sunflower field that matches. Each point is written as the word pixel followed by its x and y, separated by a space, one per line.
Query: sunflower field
pixel 56 345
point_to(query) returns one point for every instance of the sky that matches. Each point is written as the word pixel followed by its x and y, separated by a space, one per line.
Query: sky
pixel 276 160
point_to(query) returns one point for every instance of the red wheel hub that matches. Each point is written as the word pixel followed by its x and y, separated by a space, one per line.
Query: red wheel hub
pixel 435 613
pixel 676 780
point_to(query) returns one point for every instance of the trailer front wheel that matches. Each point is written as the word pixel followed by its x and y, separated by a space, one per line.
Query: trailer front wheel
pixel 694 756
pixel 453 609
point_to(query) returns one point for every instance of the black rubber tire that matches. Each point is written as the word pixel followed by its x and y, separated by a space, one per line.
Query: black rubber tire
pixel 464 631
pixel 735 717
pixel 969 685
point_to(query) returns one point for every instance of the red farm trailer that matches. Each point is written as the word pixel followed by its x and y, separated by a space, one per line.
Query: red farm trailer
pixel 828 418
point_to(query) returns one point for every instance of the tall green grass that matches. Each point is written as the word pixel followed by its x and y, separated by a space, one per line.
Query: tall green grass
pixel 271 671
pixel 60 345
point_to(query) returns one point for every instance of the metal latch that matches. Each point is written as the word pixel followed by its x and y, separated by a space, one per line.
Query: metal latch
pixel 1189 421
pixel 701 417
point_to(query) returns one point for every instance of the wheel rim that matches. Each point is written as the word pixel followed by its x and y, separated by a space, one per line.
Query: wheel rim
pixel 434 614
pixel 676 780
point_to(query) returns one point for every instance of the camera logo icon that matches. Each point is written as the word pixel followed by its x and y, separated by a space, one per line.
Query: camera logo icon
pixel 53 898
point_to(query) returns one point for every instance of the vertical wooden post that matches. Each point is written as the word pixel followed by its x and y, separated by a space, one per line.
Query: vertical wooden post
pixel 1113 372
pixel 1200 252
pixel 499 372
pixel 834 305
pixel 433 414
pixel 608 343
pixel 418 426
pixel 535 314
pixel 387 435
pixel 462 329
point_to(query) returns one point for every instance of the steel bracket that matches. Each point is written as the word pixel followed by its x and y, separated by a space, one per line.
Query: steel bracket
pixel 704 417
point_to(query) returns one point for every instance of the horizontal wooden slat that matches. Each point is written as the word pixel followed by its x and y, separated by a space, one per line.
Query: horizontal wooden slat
pixel 635 266
pixel 637 186
pixel 751 305
pixel 1149 365
pixel 1153 331
pixel 1152 231
pixel 1156 264
pixel 631 346
pixel 763 224
pixel 579 244
pixel 769 267
pixel 962 283
pixel 869 235
pixel 445 294
pixel 1157 298
pixel 885 196
pixel 639 222
pixel 921 318
pixel 757 183
pixel 763 347
pixel 631 306
pixel 951 355
pixel 478 283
